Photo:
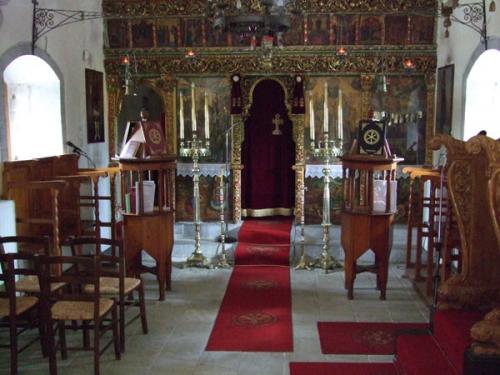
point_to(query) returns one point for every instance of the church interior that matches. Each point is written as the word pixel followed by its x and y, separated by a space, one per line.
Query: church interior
pixel 232 187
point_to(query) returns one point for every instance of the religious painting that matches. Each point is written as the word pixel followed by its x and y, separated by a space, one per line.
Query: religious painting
pixel 396 30
pixel 444 100
pixel 402 108
pixel 167 32
pixel 192 32
pixel 216 37
pixel 142 34
pixel 345 30
pixel 209 198
pixel 295 36
pixel 343 101
pixel 318 27
pixel 217 108
pixel 422 29
pixel 370 29
pixel 117 31
pixel 95 105
pixel 313 199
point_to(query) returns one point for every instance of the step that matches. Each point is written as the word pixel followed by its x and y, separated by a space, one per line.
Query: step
pixel 452 333
pixel 421 355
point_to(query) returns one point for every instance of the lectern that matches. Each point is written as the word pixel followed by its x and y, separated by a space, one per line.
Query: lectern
pixel 369 204
pixel 147 192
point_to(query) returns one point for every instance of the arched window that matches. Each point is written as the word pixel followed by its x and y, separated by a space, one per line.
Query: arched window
pixel 482 100
pixel 33 110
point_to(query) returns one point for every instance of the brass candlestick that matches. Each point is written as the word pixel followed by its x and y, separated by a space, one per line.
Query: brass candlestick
pixel 196 149
pixel 222 262
pixel 327 149
pixel 303 261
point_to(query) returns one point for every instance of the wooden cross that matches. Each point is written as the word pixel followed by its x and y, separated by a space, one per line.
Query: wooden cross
pixel 277 121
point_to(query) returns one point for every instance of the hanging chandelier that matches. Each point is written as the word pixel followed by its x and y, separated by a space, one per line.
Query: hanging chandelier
pixel 254 19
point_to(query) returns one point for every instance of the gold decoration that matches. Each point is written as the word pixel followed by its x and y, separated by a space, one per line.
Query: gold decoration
pixel 141 8
pixel 430 81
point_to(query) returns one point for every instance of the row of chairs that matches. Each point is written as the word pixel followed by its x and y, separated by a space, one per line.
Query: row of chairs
pixel 91 293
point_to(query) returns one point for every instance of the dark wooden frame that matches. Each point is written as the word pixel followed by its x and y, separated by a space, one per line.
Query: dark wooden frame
pixel 95 105
pixel 444 100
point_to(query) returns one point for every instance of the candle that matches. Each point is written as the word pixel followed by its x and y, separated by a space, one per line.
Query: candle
pixel 340 118
pixel 181 115
pixel 325 110
pixel 311 117
pixel 193 110
pixel 207 120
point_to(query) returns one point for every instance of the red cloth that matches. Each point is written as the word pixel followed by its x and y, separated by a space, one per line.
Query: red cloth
pixel 324 368
pixel 421 355
pixel 362 338
pixel 267 178
pixel 256 312
pixel 452 333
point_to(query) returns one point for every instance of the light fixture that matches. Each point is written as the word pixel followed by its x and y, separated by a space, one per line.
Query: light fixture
pixel 130 88
pixel 190 54
pixel 257 20
pixel 408 64
pixel 381 79
pixel 473 15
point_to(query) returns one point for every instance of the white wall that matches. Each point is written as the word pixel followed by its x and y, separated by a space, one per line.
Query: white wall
pixel 69 50
pixel 462 48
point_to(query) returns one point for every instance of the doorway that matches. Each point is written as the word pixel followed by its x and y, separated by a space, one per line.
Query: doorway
pixel 268 154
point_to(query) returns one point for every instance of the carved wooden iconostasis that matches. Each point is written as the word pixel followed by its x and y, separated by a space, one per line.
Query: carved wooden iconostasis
pixel 389 68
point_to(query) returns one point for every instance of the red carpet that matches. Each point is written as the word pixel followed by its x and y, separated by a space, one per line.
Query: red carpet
pixel 329 368
pixel 255 314
pixel 363 338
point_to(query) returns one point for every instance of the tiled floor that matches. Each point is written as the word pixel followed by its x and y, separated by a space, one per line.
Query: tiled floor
pixel 180 326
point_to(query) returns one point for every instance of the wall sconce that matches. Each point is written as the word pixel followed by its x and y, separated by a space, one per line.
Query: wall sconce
pixel 473 16
pixel 129 79
pixel 190 54
pixel 408 64
pixel 341 52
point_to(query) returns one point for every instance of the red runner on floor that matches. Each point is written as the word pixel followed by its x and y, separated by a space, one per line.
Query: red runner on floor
pixel 363 338
pixel 255 314
pixel 329 368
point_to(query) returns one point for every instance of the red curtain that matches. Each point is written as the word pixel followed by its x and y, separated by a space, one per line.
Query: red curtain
pixel 267 178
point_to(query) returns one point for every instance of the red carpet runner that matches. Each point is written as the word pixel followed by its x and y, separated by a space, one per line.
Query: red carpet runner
pixel 255 314
pixel 364 338
pixel 324 368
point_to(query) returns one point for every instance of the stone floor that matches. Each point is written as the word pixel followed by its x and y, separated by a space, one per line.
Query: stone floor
pixel 180 326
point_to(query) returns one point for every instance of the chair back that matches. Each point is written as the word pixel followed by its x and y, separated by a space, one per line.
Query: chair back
pixel 14 265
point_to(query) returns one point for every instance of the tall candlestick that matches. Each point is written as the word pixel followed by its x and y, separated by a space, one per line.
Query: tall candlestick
pixel 181 115
pixel 207 120
pixel 311 117
pixel 325 110
pixel 340 124
pixel 193 109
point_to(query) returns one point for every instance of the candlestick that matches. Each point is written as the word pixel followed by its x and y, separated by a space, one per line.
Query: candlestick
pixel 207 120
pixel 181 115
pixel 311 117
pixel 193 109
pixel 340 119
pixel 325 109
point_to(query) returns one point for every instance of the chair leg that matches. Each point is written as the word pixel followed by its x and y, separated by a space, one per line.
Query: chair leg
pixel 117 339
pixel 86 334
pixel 13 345
pixel 121 307
pixel 51 346
pixel 142 306
pixel 62 338
pixel 97 326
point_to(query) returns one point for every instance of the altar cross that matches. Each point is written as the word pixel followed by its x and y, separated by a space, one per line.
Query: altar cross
pixel 277 121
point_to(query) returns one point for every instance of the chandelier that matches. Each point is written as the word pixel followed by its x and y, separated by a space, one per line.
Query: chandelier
pixel 256 20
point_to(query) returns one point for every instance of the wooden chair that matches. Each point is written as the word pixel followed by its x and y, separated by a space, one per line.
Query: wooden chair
pixel 15 310
pixel 109 284
pixel 88 307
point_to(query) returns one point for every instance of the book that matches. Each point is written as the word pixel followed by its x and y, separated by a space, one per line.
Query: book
pixel 154 138
pixel 148 193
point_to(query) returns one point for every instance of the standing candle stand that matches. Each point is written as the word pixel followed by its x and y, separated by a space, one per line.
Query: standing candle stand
pixel 222 262
pixel 303 261
pixel 326 149
pixel 194 149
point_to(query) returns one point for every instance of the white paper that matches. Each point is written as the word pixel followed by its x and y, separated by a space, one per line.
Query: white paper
pixel 148 188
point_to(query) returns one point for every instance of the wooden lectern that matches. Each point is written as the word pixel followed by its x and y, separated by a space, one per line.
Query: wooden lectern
pixel 147 192
pixel 369 204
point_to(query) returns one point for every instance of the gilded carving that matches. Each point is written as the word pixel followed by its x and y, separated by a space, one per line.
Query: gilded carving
pixel 299 186
pixel 137 8
pixel 152 64
pixel 366 81
pixel 486 334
